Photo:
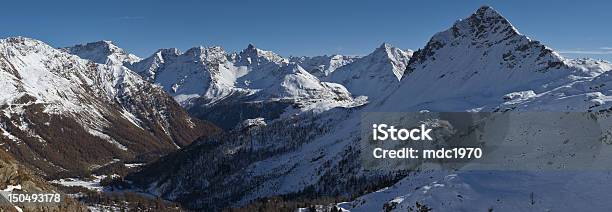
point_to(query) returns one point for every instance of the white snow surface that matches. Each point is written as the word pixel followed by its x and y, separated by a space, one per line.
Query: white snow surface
pixel 91 184
pixel 63 83
pixel 213 75
pixel 323 66
pixel 497 190
pixel 374 75
pixel 103 52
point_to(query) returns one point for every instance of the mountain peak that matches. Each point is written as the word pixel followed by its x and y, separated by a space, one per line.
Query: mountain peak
pixel 195 51
pixel 251 46
pixel 487 11
pixel 374 74
pixel 250 50
pixel 254 51
pixel 385 50
pixel 252 55
pixel 384 45
pixel 102 44
pixel 22 41
pixel 487 19
pixel 482 30
pixel 482 54
pixel 103 52
pixel 102 105
pixel 168 51
pixel 323 66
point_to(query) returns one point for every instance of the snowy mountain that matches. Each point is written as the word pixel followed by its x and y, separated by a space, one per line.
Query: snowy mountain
pixel 103 52
pixel 375 74
pixel 51 97
pixel 322 66
pixel 213 74
pixel 482 63
pixel 199 72
pixel 206 80
pixel 478 61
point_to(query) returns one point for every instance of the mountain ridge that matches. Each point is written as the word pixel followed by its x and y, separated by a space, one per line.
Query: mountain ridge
pixel 318 163
pixel 52 97
pixel 209 79
pixel 374 74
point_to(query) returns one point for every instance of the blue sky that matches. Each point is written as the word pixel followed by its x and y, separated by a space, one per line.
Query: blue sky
pixel 306 27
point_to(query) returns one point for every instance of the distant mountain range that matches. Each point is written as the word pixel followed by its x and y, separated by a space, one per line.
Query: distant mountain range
pixel 221 129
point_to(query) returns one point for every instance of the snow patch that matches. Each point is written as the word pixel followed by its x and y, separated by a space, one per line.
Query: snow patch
pixel 107 138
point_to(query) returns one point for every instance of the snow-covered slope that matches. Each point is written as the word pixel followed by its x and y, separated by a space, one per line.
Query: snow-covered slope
pixel 481 63
pixel 103 52
pixel 212 74
pixel 375 74
pixel 199 72
pixel 206 80
pixel 323 66
pixel 63 113
pixel 484 64
pixel 496 191
pixel 475 63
